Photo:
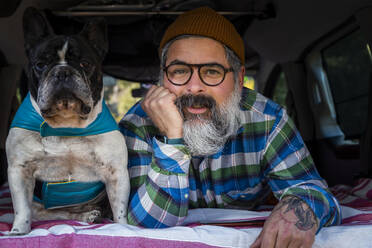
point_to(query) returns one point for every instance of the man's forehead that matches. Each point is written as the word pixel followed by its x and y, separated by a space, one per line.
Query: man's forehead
pixel 197 49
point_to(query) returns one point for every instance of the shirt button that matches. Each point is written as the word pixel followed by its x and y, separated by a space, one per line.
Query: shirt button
pixel 186 196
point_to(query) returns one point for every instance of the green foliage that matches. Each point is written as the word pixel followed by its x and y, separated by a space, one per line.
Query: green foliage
pixel 119 97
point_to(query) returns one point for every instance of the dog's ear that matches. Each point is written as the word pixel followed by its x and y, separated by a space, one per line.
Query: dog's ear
pixel 35 28
pixel 95 32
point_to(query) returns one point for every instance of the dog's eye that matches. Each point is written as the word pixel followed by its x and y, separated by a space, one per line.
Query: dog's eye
pixel 40 66
pixel 85 65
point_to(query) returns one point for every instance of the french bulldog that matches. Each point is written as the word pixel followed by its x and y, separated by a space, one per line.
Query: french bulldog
pixel 67 145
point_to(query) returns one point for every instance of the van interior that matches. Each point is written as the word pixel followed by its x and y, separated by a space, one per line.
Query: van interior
pixel 312 57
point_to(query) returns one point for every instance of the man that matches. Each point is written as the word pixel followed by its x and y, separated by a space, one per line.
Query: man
pixel 202 140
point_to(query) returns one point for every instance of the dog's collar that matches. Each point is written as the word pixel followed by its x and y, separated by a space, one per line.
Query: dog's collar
pixel 27 118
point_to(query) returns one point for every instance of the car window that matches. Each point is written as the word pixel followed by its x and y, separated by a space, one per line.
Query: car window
pixel 348 66
pixel 119 95
pixel 249 82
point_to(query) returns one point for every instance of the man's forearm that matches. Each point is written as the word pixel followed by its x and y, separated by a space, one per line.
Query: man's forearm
pixel 160 194
pixel 306 218
pixel 154 206
pixel 292 172
pixel 320 200
pixel 292 223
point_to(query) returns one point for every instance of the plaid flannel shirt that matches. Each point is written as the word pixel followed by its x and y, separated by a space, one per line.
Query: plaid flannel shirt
pixel 267 154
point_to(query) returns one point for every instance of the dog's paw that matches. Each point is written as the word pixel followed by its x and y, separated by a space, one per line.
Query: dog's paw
pixel 92 216
pixel 19 230
pixel 123 220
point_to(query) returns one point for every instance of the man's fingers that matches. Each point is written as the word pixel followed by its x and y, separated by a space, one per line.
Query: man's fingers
pixel 148 96
pixel 296 244
pixel 154 92
pixel 269 238
pixel 284 238
pixel 159 106
pixel 152 97
pixel 157 93
pixel 165 92
pixel 149 92
pixel 301 243
pixel 257 242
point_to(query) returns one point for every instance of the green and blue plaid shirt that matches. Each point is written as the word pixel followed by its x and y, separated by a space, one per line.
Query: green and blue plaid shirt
pixel 267 154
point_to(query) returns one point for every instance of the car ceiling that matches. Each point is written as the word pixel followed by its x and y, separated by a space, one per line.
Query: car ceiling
pixel 273 30
pixel 134 38
pixel 297 25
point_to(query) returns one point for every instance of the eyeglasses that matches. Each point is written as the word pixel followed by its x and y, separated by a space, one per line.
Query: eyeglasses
pixel 210 74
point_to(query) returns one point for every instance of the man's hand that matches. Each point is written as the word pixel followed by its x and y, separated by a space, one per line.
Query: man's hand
pixel 291 224
pixel 159 106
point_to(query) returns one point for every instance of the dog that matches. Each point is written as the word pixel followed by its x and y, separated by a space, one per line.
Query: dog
pixel 56 139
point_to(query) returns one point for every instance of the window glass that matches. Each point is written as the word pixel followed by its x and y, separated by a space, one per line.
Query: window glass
pixel 118 95
pixel 348 67
pixel 249 82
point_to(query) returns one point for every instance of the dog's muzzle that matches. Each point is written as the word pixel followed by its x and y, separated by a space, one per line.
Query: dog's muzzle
pixel 65 91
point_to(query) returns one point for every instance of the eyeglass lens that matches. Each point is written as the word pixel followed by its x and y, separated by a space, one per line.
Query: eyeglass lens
pixel 210 74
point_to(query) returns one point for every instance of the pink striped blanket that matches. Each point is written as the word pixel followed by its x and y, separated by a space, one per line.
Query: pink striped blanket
pixel 203 227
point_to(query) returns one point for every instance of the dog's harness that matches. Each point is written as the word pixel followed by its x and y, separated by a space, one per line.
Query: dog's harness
pixel 68 193
pixel 27 118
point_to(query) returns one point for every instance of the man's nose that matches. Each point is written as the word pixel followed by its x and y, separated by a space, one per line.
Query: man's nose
pixel 195 85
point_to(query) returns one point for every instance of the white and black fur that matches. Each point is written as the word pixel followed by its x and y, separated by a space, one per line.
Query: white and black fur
pixel 65 82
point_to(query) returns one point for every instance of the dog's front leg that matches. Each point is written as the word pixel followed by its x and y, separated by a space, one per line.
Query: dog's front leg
pixel 21 185
pixel 117 188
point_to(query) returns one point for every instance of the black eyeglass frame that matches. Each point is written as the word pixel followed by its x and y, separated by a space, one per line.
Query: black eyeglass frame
pixel 226 70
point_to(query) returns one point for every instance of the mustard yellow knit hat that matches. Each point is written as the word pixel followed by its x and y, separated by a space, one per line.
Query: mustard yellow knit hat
pixel 204 21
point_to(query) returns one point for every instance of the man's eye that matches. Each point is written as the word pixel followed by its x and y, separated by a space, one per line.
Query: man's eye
pixel 179 71
pixel 212 72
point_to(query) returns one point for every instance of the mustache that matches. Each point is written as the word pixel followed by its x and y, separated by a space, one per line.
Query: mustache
pixel 197 101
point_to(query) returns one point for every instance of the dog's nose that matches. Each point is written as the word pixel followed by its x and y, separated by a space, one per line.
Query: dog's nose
pixel 63 74
pixel 66 104
pixel 45 111
pixel 85 109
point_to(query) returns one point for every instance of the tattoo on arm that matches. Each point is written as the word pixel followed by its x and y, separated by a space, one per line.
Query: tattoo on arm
pixel 306 218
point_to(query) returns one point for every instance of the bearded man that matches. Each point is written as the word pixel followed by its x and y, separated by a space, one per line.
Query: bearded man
pixel 200 139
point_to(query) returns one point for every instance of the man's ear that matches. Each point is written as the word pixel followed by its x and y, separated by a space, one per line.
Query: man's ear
pixel 95 32
pixel 241 76
pixel 35 28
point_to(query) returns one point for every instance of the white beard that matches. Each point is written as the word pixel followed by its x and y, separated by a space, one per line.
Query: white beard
pixel 207 136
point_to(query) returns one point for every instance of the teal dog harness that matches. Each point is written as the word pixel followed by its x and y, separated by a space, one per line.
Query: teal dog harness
pixel 27 118
pixel 61 194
